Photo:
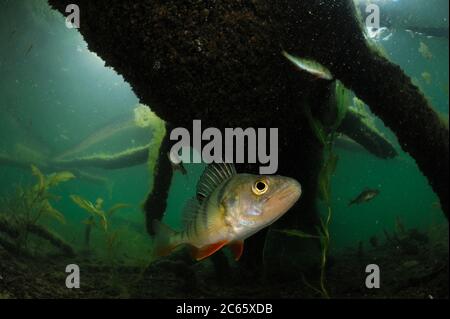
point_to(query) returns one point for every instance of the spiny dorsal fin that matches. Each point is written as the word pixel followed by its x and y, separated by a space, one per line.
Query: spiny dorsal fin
pixel 214 175
pixel 191 209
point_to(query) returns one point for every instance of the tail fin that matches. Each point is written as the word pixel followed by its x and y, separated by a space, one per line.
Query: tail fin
pixel 164 242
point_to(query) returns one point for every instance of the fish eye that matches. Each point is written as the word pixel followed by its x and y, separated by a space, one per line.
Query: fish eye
pixel 260 188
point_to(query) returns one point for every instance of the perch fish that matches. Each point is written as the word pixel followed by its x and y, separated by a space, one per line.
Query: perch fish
pixel 310 66
pixel 228 209
pixel 366 196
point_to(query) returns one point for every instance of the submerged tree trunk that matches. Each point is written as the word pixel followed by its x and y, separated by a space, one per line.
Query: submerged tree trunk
pixel 221 62
pixel 354 127
pixel 156 202
pixel 14 228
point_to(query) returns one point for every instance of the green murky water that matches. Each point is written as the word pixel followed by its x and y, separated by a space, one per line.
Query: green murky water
pixel 55 93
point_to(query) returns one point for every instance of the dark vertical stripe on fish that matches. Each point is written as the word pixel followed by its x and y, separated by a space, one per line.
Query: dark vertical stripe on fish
pixel 189 230
pixel 195 227
pixel 222 189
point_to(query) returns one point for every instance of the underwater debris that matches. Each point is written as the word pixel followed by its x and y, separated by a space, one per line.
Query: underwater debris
pixel 247 203
pixel 297 233
pixel 365 196
pixel 426 76
pixel 389 238
pixel 25 153
pixel 410 264
pixel 416 235
pixel 360 251
pixel 424 50
pixel 177 167
pixel 143 116
pixel 374 241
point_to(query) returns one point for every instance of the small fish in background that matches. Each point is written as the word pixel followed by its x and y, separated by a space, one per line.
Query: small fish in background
pixel 13 32
pixel 366 196
pixel 424 50
pixel 177 167
pixel 411 33
pixel 228 208
pixel 426 76
pixel 29 49
pixel 64 137
pixel 310 66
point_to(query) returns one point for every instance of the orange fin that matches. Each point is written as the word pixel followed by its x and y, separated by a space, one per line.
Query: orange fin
pixel 237 248
pixel 206 251
pixel 163 244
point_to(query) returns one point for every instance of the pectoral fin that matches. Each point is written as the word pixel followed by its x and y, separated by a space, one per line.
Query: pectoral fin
pixel 206 251
pixel 237 248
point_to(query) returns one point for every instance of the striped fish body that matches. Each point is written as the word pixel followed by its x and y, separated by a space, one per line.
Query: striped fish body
pixel 206 225
pixel 228 209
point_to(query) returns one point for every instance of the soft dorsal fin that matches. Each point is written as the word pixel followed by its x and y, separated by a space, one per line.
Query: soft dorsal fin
pixel 214 175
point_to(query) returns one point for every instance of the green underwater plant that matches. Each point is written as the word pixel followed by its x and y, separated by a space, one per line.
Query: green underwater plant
pixel 33 203
pixel 29 205
pixel 325 134
pixel 37 198
pixel 101 218
pixel 98 217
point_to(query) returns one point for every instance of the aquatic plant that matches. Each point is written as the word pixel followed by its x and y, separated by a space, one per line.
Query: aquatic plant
pixel 34 202
pixel 96 210
pixel 98 217
pixel 339 103
pixel 29 205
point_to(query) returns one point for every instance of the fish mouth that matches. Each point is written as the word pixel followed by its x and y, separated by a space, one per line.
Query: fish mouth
pixel 292 190
pixel 285 197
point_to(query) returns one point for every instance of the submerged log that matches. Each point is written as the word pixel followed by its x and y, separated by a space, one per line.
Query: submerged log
pixel 156 202
pixel 127 158
pixel 354 126
pixel 13 230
